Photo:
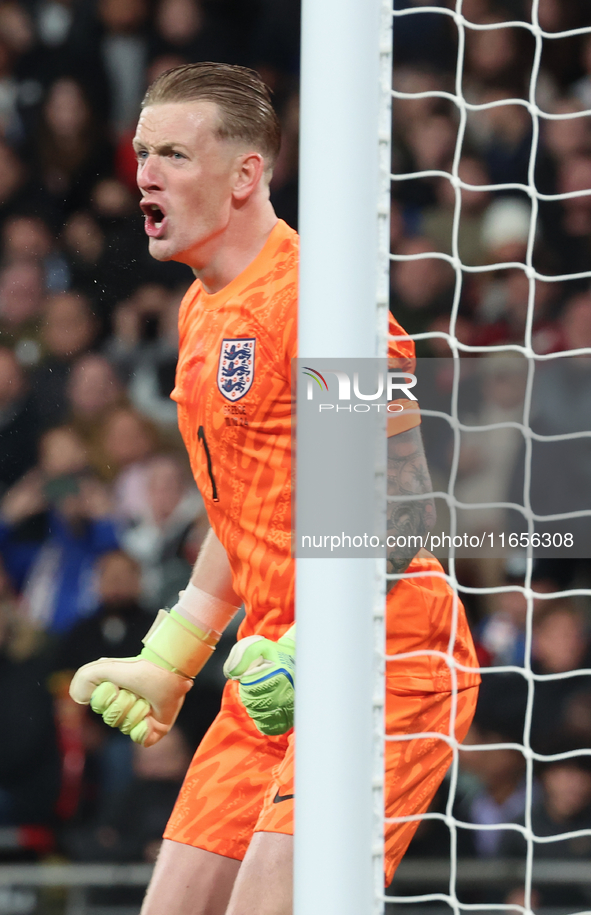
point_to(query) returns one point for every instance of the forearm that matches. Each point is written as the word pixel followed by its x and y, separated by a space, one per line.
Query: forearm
pixel 209 602
pixel 407 522
pixel 212 572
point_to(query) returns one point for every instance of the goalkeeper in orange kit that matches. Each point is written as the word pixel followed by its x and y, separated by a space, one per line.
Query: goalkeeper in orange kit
pixel 206 143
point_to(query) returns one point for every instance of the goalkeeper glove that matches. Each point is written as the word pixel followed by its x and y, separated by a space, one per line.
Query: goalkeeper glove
pixel 266 673
pixel 142 696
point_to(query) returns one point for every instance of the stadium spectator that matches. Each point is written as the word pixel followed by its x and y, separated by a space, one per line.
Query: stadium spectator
pixel 437 221
pixel 561 644
pixel 501 796
pixel 68 329
pixel 17 191
pixel 500 792
pixel 416 81
pixel 422 288
pixel 499 57
pixel 54 524
pixel 83 245
pixel 124 445
pixel 116 628
pixel 9 119
pixel 144 346
pixel 431 142
pixel 157 540
pixel 186 30
pixel 30 237
pixel 119 622
pixel 21 302
pixel 577 718
pixel 582 87
pixel 503 135
pixel 575 175
pixel 502 631
pixel 487 458
pixel 562 806
pixel 71 146
pixel 408 115
pixel 423 39
pixel 29 762
pixel 504 308
pixel 179 27
pixel 560 405
pixel 92 391
pixel 124 52
pixel 285 182
pixel 567 137
pixel 19 424
pixel 562 60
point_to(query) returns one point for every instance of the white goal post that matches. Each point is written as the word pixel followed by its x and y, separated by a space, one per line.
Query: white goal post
pixel 342 313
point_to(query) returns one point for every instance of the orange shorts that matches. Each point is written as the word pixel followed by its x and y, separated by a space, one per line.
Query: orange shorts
pixel 241 782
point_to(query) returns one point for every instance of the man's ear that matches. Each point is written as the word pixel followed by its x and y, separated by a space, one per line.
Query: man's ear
pixel 250 169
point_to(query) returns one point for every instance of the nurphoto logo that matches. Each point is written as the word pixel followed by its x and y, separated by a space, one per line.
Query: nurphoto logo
pixel 396 384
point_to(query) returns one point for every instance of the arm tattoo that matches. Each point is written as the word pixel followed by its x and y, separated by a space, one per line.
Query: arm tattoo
pixel 407 475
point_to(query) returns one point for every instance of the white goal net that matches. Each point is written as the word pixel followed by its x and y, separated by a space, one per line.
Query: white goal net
pixel 491 275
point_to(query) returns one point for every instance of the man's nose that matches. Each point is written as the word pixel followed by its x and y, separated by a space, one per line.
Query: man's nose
pixel 149 175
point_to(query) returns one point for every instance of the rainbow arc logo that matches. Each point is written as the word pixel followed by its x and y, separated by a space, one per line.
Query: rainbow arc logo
pixel 318 378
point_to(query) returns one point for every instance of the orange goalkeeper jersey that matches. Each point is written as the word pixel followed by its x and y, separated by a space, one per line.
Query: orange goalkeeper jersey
pixel 233 390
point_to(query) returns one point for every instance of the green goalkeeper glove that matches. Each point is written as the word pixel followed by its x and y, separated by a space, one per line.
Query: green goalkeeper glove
pixel 142 696
pixel 266 672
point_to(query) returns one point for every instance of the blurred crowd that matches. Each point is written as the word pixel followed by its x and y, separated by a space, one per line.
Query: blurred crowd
pixel 100 520
pixel 500 307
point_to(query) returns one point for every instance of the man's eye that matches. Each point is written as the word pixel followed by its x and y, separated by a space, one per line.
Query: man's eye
pixel 141 154
pixel 177 155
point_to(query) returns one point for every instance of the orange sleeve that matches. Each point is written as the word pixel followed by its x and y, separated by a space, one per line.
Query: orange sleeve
pixel 406 418
pixel 401 352
pixel 401 355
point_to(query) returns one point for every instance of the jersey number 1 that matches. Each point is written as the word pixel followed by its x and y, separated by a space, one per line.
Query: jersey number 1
pixel 201 437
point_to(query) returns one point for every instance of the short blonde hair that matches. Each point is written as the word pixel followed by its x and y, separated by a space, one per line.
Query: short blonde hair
pixel 243 100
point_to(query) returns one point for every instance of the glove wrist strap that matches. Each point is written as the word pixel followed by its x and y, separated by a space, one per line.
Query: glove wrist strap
pixel 178 646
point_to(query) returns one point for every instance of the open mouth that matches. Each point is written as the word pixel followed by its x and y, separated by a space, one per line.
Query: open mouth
pixel 157 215
pixel 154 218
